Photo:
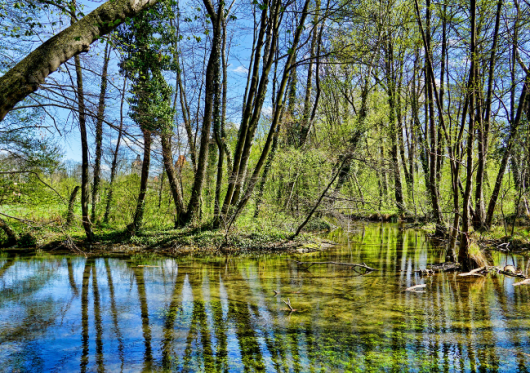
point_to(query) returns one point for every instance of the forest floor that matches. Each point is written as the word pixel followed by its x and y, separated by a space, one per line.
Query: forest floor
pixel 240 239
pixel 268 233
pixel 502 237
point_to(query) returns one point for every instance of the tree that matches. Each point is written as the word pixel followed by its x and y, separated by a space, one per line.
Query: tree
pixel 25 78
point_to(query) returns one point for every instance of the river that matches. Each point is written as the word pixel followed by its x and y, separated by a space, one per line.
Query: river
pixel 197 313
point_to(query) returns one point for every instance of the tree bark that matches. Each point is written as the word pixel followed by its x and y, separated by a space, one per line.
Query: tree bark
pixel 87 224
pixel 26 77
pixel 115 156
pixel 136 225
pixel 514 125
pixel 99 131
pixel 71 203
pixel 209 95
pixel 391 92
pixel 174 184
pixel 463 253
pixel 12 236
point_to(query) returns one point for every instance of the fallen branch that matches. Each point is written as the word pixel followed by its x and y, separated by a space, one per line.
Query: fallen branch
pixel 524 282
pixel 363 265
pixel 444 267
pixel 415 287
pixel 425 272
pixel 346 158
pixel 19 219
pixel 288 303
pixel 475 272
pixel 70 245
pixel 37 176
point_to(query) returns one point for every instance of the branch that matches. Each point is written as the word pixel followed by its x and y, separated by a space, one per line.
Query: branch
pixel 37 175
pixel 363 265
pixel 26 77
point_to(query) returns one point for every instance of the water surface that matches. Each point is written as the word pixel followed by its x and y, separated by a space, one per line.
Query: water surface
pixel 216 314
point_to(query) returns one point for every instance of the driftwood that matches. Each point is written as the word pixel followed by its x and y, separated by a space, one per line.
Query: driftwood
pixel 147 266
pixel 475 272
pixel 524 282
pixel 352 265
pixel 507 271
pixel 444 267
pixel 425 272
pixel 415 288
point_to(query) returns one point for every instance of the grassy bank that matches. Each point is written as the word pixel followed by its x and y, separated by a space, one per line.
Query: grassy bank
pixel 270 232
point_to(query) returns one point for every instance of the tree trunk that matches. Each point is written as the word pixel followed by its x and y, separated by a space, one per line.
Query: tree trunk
pixel 12 237
pixel 115 156
pixel 463 253
pixel 209 95
pixel 99 131
pixel 87 225
pixel 507 151
pixel 480 213
pixel 71 203
pixel 275 121
pixel 256 92
pixel 26 76
pixel 136 225
pixel 174 184
pixel 218 117
pixel 390 81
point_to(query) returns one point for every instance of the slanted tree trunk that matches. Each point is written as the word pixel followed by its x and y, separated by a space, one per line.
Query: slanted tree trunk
pixel 71 204
pixel 270 159
pixel 306 123
pixel 87 224
pixel 174 184
pixel 514 125
pixel 12 236
pixel 136 225
pixel 265 45
pixel 114 165
pixel 99 131
pixel 26 76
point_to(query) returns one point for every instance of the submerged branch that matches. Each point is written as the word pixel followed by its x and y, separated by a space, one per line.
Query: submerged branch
pixel 363 265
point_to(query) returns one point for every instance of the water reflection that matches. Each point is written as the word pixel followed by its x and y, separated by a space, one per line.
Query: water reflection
pixel 218 314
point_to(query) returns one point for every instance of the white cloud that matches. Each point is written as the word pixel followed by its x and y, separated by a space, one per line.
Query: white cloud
pixel 267 111
pixel 240 69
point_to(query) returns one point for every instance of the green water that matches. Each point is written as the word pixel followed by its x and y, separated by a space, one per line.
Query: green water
pixel 69 314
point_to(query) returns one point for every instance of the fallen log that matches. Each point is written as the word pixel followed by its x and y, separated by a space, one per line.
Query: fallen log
pixel 475 272
pixel 444 267
pixel 352 265
pixel 425 272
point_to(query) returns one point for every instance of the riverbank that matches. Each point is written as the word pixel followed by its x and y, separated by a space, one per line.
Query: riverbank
pixel 262 235
pixel 172 242
pixel 499 237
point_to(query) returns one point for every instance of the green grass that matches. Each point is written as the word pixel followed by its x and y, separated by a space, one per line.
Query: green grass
pixel 47 229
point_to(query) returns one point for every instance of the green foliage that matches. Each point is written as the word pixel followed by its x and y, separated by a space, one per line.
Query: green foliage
pixel 147 43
